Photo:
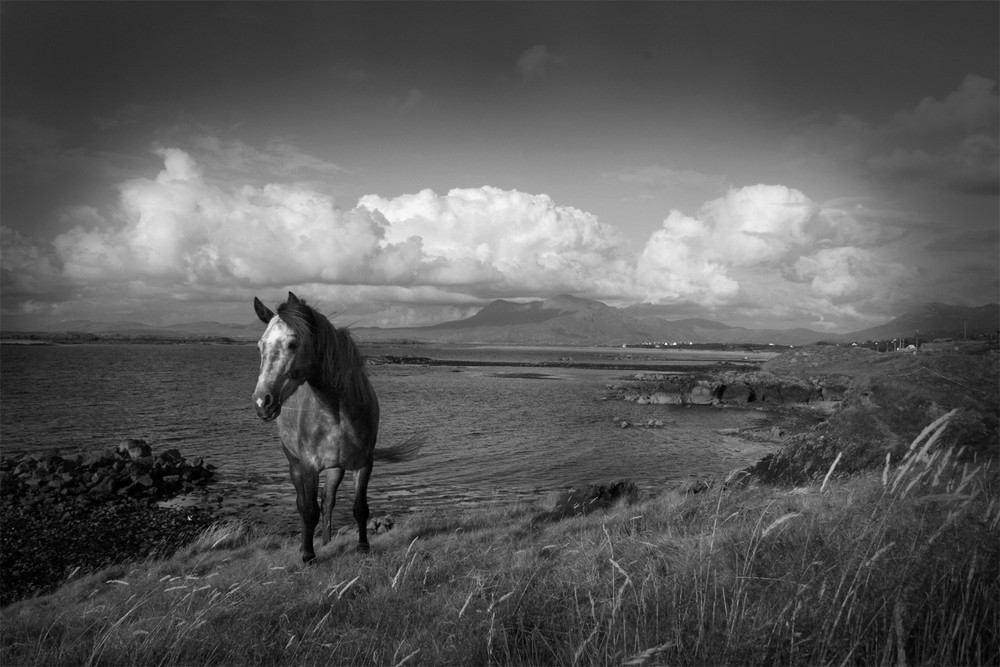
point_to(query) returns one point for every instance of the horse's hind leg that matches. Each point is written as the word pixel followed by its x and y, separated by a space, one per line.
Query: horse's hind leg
pixel 333 478
pixel 361 477
pixel 306 484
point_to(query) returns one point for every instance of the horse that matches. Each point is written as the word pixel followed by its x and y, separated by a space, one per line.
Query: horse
pixel 313 384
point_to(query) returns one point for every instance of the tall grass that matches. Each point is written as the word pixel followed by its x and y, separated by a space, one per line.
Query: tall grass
pixel 897 566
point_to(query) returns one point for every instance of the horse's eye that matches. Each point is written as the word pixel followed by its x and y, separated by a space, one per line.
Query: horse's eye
pixel 293 345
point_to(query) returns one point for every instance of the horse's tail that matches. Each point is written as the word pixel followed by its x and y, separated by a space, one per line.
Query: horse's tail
pixel 404 451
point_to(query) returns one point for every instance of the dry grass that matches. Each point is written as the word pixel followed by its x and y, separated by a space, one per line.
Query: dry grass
pixel 896 566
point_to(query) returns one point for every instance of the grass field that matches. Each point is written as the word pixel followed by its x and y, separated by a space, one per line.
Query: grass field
pixel 899 565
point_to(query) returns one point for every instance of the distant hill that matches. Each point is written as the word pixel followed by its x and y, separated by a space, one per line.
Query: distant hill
pixel 567 319
pixel 570 320
pixel 935 320
pixel 563 319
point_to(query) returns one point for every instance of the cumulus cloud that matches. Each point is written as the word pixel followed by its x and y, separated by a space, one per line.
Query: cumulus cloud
pixel 848 274
pixel 181 229
pixel 949 143
pixel 184 232
pixel 538 62
pixel 692 256
pixel 505 240
pixel 186 236
pixel 763 245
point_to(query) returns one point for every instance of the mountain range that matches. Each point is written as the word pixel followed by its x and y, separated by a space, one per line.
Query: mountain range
pixel 570 320
pixel 567 319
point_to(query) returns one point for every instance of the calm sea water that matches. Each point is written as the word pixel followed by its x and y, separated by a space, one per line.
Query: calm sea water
pixel 493 432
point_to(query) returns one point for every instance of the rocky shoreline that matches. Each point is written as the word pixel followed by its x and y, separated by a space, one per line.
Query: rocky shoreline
pixel 67 516
pixel 618 364
pixel 729 387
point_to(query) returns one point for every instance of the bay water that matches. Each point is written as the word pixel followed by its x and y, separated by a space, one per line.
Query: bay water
pixel 493 432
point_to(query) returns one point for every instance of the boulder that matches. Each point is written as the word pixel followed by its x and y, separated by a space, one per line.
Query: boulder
pixel 98 459
pixel 702 393
pixel 170 456
pixel 135 448
pixel 666 398
pixel 138 468
pixel 736 392
pixel 144 481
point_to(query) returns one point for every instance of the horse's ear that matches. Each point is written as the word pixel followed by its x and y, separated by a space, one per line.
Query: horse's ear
pixel 263 312
pixel 292 299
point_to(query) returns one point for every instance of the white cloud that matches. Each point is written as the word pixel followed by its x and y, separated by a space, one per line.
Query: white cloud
pixel 186 237
pixel 505 240
pixel 181 229
pixel 849 275
pixel 692 257
pixel 762 246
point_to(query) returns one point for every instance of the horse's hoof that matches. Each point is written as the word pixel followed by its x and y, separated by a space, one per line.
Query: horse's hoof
pixel 308 559
pixel 363 547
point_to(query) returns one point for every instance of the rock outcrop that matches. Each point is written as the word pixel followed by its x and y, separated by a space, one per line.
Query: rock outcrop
pixel 130 473
pixel 729 388
pixel 66 516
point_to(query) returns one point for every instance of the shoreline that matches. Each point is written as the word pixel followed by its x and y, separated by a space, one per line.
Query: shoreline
pixel 38 558
pixel 876 416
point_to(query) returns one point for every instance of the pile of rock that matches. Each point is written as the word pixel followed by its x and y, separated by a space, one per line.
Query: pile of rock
pixel 130 473
pixel 730 387
pixel 64 516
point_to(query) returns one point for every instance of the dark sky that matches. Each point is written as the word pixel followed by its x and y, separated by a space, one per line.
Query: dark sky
pixel 819 164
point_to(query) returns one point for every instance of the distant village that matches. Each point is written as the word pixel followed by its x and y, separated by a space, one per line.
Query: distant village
pixel 901 344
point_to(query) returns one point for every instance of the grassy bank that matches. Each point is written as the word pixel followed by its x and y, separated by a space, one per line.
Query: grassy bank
pixel 898 565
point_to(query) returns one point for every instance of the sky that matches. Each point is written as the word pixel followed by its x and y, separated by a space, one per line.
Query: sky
pixel 823 165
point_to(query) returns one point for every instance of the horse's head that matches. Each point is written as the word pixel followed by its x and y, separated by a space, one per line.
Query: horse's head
pixel 284 361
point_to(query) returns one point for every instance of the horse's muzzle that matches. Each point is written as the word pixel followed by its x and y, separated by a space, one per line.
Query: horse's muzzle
pixel 267 407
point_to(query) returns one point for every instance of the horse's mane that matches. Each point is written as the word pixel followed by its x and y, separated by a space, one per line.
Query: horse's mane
pixel 338 367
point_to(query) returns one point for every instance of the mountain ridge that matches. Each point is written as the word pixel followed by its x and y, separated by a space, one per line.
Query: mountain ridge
pixel 567 319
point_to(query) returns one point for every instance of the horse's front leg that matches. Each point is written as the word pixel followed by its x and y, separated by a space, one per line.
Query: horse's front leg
pixel 361 477
pixel 306 482
pixel 333 479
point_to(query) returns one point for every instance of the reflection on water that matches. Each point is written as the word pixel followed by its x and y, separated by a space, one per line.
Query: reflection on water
pixel 493 432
